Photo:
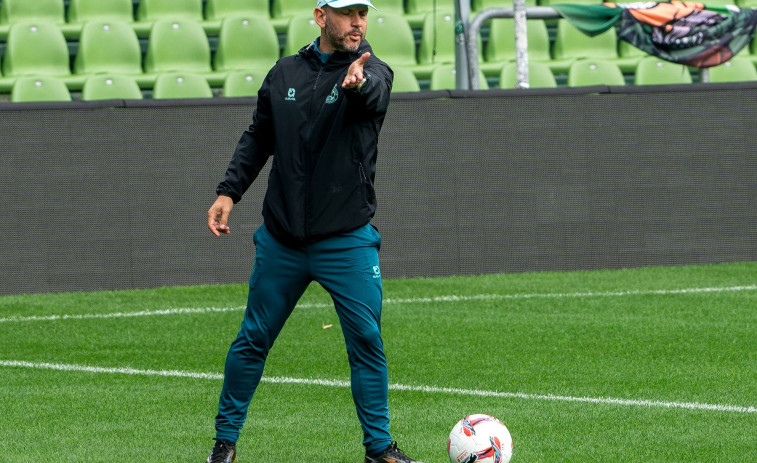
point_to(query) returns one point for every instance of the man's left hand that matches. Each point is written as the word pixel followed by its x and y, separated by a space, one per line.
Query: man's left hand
pixel 355 75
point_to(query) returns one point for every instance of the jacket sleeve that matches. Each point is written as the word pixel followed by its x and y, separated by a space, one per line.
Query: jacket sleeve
pixel 253 150
pixel 374 94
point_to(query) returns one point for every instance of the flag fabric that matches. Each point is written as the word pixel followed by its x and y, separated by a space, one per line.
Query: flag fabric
pixel 688 33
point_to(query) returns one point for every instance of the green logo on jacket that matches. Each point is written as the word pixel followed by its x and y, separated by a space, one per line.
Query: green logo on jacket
pixel 333 96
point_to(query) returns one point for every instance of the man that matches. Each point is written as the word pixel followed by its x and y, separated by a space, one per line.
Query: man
pixel 318 115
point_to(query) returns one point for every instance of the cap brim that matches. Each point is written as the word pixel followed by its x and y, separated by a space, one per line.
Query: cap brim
pixel 346 3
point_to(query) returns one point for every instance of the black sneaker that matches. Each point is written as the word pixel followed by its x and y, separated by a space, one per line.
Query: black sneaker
pixel 223 452
pixel 391 455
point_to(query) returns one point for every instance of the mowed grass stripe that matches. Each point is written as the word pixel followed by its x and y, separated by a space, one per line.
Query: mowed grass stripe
pixel 394 387
pixel 416 300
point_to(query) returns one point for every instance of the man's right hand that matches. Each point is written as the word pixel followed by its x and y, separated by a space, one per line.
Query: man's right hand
pixel 218 215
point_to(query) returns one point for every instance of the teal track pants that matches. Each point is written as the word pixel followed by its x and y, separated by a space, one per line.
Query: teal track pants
pixel 347 267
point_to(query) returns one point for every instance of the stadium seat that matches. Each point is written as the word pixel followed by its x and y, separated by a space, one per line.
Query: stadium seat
pixel 150 11
pixel 289 8
pixel 629 56
pixel 15 11
pixel 539 76
pixel 444 77
pixel 243 83
pixel 392 39
pixel 284 10
pixel 301 31
pixel 404 81
pixel 36 49
pixel 500 48
pixel 587 72
pixel 39 88
pixel 437 45
pixel 81 11
pixel 177 46
pixel 572 44
pixel 246 42
pixel 737 69
pixel 108 47
pixel 153 10
pixel 654 71
pixel 218 10
pixel 221 9
pixel 181 85
pixel 111 87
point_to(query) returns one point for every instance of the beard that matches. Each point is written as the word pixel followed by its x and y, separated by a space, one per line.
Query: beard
pixel 339 41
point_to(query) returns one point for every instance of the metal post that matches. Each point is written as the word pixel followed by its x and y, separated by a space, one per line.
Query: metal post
pixel 462 64
pixel 704 75
pixel 521 43
pixel 474 29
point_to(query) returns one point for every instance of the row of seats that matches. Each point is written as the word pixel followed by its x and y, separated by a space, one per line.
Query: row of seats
pixel 121 87
pixel 75 12
pixel 588 72
pixel 250 43
pixel 70 15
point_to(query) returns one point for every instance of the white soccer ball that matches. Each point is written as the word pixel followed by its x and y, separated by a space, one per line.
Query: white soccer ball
pixel 481 439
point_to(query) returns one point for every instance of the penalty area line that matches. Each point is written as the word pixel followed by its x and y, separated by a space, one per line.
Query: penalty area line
pixel 388 301
pixel 392 387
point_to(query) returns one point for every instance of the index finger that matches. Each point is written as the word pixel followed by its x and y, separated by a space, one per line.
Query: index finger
pixel 364 57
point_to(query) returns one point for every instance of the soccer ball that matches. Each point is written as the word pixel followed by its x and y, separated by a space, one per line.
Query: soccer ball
pixel 481 439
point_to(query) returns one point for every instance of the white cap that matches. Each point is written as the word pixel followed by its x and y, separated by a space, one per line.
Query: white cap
pixel 343 3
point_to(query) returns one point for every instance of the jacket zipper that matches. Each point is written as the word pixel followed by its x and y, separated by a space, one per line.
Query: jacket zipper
pixel 309 156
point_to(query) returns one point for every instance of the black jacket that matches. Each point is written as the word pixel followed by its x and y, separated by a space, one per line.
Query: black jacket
pixel 323 140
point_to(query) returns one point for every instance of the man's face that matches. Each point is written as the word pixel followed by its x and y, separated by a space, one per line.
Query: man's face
pixel 344 28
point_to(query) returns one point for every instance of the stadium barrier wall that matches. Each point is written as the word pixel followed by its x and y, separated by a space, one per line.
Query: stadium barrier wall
pixel 114 195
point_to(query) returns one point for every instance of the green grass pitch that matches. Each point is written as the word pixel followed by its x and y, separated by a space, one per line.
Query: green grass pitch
pixel 641 365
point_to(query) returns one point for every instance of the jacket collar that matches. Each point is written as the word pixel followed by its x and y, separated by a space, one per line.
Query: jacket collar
pixel 339 58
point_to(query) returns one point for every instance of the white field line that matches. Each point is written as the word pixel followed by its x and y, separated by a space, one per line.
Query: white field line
pixel 388 301
pixel 393 387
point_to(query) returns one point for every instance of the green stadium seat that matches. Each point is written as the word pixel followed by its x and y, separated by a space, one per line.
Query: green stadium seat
pixel 427 6
pixel 221 9
pixel 81 11
pixel 39 88
pixel 392 39
pixel 177 46
pixel 246 42
pixel 153 10
pixel 737 69
pixel 389 6
pixel 500 48
pixel 629 56
pixel 36 49
pixel 243 83
pixel 539 76
pixel 150 11
pixel 404 81
pixel 108 46
pixel 587 72
pixel 437 45
pixel 181 85
pixel 15 11
pixel 301 31
pixel 444 77
pixel 284 10
pixel 218 10
pixel 111 87
pixel 655 71
pixel 572 44
pixel 289 8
